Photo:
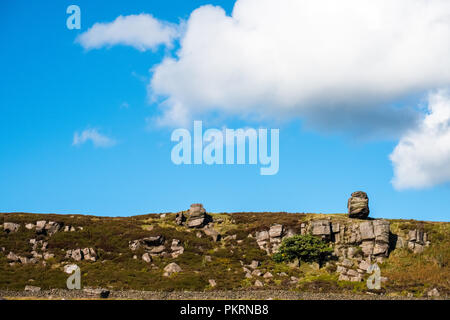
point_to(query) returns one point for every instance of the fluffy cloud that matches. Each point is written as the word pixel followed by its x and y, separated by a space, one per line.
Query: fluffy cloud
pixel 142 32
pixel 422 157
pixel 335 64
pixel 97 139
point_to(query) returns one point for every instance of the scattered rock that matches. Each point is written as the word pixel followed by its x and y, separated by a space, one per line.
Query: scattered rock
pixel 171 268
pixel 100 293
pixel 13 257
pixel 180 218
pixel 433 293
pixel 258 284
pixel 32 289
pixel 48 256
pixel 255 264
pixel 212 283
pixel 146 257
pixel 256 273
pixel 358 205
pixel 267 275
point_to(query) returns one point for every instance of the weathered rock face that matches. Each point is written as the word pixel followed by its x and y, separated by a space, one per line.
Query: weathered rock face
pixel 368 239
pixel 358 205
pixel 417 240
pixel 270 240
pixel 321 228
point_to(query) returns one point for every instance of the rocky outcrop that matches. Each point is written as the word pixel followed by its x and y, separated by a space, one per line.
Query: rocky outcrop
pixel 270 240
pixel 156 246
pixel 87 254
pixel 14 258
pixel 417 240
pixel 197 216
pixel 47 228
pixel 358 205
pixel 180 218
pixel 369 238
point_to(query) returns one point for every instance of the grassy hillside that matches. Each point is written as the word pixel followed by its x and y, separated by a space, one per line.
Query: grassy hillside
pixel 116 269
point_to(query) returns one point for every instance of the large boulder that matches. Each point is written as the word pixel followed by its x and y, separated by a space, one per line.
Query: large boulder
pixel 11 227
pixel 153 241
pixel 358 205
pixel 52 227
pixel 211 232
pixel 40 226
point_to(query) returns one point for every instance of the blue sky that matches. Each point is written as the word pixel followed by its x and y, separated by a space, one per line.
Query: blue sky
pixel 52 87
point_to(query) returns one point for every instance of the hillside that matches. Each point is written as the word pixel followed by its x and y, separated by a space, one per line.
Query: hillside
pixel 222 251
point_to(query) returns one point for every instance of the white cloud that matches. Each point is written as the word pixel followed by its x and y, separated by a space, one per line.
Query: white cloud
pixel 97 139
pixel 142 32
pixel 422 157
pixel 336 64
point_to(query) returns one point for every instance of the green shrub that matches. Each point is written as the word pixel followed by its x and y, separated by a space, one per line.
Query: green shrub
pixel 306 248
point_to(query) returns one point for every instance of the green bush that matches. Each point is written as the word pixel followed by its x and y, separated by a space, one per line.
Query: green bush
pixel 306 248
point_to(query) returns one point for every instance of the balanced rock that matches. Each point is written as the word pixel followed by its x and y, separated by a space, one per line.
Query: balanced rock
pixel 358 205
pixel 197 216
